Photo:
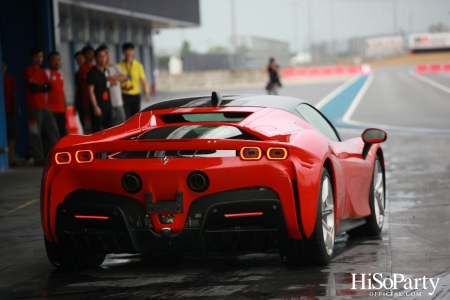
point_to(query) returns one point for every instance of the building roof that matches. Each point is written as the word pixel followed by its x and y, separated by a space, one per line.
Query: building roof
pixel 176 13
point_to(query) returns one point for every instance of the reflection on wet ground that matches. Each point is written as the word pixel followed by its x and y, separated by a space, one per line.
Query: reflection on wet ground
pixel 224 276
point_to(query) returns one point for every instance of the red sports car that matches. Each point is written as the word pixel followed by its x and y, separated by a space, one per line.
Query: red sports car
pixel 213 173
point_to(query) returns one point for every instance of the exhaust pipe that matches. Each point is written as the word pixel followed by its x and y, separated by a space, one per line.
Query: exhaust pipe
pixel 131 182
pixel 198 181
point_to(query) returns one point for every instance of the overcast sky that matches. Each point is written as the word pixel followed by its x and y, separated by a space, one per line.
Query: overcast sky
pixel 279 19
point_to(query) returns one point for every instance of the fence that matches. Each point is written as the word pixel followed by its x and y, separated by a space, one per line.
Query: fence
pixel 253 53
pixel 354 50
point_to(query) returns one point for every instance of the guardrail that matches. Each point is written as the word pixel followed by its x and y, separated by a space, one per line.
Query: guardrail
pixel 433 68
pixel 326 71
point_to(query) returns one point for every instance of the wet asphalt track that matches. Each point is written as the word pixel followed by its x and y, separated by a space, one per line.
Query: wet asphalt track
pixel 415 240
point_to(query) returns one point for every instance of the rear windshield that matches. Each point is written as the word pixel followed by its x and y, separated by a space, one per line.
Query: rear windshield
pixel 205 117
pixel 197 132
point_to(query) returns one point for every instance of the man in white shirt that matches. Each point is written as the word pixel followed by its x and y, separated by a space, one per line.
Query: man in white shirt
pixel 115 91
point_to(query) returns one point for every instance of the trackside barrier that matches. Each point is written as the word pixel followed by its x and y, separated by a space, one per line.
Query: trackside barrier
pixel 326 71
pixel 71 123
pixel 433 68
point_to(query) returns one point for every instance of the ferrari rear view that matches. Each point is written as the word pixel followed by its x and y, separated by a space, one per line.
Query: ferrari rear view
pixel 212 178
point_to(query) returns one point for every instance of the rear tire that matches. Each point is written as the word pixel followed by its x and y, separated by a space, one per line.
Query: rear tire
pixel 318 248
pixel 64 255
pixel 377 202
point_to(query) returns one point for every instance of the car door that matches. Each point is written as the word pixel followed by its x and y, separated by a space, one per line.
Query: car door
pixel 318 121
pixel 358 175
pixel 352 172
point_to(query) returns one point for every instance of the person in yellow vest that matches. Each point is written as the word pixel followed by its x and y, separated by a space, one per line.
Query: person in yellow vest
pixel 131 88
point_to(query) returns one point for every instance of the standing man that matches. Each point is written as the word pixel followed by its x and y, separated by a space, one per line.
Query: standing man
pixel 78 97
pixel 12 128
pixel 131 90
pixel 116 77
pixel 88 53
pixel 56 97
pixel 40 118
pixel 98 88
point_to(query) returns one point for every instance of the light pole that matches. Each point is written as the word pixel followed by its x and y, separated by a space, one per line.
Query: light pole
pixel 310 23
pixel 410 20
pixel 394 15
pixel 295 22
pixel 233 24
pixel 332 28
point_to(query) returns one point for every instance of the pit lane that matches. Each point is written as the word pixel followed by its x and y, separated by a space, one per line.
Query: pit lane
pixel 414 241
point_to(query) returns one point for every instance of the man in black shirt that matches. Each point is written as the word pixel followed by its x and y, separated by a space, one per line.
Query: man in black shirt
pixel 98 87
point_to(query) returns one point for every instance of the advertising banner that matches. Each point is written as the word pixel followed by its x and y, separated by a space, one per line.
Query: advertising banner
pixel 429 41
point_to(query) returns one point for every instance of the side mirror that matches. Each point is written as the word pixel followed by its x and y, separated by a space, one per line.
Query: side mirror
pixel 372 136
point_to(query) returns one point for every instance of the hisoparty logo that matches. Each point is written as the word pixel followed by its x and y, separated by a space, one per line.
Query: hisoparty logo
pixel 376 281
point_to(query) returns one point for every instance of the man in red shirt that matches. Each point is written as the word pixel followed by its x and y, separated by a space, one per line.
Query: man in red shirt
pixel 40 118
pixel 88 53
pixel 56 97
pixel 12 128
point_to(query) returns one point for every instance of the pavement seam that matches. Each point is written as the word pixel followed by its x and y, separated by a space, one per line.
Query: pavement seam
pixel 19 207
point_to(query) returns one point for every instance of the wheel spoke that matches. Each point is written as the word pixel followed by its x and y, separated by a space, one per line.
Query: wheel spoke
pixel 329 240
pixel 378 181
pixel 325 226
pixel 325 190
pixel 380 204
pixel 327 206
pixel 378 193
pixel 327 210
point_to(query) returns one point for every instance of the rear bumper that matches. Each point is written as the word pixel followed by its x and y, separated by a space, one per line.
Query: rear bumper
pixel 208 226
pixel 164 182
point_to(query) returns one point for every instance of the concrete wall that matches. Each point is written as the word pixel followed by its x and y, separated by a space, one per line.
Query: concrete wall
pixel 210 79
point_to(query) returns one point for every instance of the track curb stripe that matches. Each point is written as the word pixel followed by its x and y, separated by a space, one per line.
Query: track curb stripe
pixel 337 106
pixel 336 92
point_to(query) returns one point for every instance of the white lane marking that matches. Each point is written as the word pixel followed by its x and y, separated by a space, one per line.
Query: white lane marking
pixel 337 91
pixel 402 128
pixel 348 114
pixel 429 81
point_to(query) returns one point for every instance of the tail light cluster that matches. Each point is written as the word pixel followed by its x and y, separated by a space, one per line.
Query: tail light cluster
pixel 255 153
pixel 81 157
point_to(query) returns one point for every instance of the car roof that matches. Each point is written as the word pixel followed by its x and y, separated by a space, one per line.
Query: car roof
pixel 279 102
